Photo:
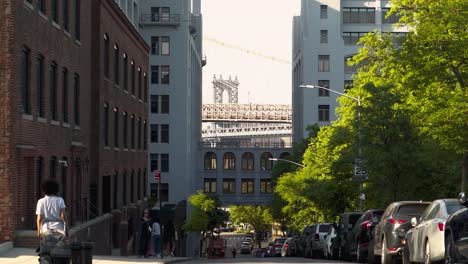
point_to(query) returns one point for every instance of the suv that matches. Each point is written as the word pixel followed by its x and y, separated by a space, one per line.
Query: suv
pixel 316 240
pixel 456 227
pixel 340 242
pixel 390 232
pixel 361 234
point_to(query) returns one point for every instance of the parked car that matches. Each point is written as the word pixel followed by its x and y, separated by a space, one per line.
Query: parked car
pixel 246 248
pixel 340 242
pixel 274 248
pixel 289 247
pixel 316 240
pixel 361 234
pixel 425 241
pixel 456 231
pixel 327 246
pixel 301 241
pixel 390 232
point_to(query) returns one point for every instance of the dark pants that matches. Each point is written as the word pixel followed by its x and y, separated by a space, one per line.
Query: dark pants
pixel 143 250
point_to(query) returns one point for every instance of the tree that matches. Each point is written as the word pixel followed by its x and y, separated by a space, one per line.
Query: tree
pixel 259 217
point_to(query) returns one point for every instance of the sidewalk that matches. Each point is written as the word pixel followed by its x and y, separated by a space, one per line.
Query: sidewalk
pixel 29 256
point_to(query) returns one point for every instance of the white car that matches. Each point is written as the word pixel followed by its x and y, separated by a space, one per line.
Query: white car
pixel 425 242
pixel 327 250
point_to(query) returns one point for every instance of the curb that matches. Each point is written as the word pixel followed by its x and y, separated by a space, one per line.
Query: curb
pixel 180 260
pixel 6 247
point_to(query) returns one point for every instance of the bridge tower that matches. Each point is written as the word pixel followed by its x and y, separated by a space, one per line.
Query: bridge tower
pixel 231 86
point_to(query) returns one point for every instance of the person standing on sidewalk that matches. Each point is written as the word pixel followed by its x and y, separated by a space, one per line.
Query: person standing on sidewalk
pixel 145 234
pixel 156 236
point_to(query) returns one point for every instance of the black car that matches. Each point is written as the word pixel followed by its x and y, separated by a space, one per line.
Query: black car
pixel 390 232
pixel 302 240
pixel 340 244
pixel 361 234
pixel 456 234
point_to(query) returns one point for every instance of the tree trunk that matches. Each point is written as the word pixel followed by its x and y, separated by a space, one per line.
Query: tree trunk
pixel 464 170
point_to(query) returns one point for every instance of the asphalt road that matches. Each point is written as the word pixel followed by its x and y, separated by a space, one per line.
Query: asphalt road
pixel 250 259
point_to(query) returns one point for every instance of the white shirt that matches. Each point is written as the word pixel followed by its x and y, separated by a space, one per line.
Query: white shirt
pixel 49 207
pixel 156 229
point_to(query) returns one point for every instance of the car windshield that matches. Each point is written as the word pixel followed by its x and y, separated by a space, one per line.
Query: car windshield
pixel 410 210
pixel 324 228
pixel 280 241
pixel 353 219
pixel 376 215
pixel 453 207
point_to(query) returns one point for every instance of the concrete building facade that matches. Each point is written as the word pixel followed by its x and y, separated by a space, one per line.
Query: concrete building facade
pixel 325 35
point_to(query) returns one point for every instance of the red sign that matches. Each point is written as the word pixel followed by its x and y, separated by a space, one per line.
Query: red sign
pixel 157 175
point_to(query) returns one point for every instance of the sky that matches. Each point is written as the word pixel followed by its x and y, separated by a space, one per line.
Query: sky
pixel 263 27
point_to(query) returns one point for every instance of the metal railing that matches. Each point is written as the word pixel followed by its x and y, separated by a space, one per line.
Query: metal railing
pixel 160 19
pixel 238 144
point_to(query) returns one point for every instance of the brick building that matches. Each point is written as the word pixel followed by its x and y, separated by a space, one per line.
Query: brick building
pixel 60 91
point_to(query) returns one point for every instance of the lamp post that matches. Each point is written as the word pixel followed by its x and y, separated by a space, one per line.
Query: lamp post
pixel 290 161
pixel 359 172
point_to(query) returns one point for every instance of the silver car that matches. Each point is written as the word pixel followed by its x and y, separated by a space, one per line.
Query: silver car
pixel 425 242
pixel 327 249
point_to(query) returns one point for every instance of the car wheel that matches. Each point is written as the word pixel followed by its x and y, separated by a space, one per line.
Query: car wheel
pixel 450 256
pixel 427 253
pixel 406 255
pixel 385 257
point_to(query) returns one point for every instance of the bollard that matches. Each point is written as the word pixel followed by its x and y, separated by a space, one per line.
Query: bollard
pixel 76 256
pixel 87 252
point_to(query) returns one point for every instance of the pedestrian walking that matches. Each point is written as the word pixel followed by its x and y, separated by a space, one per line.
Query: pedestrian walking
pixel 156 237
pixel 234 252
pixel 145 234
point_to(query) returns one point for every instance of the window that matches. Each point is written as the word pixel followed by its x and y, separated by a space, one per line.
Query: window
pixel 125 72
pixel 210 161
pixel 323 12
pixel 154 74
pixel 53 91
pixel 106 125
pixel 116 65
pixel 352 38
pixel 132 185
pixel 154 100
pixel 124 129
pixel 154 158
pixel 140 87
pixel 65 95
pixel 164 104
pixel 76 99
pixel 116 127
pixel 139 133
pixel 358 15
pixel 145 133
pixel 116 189
pixel 53 167
pixel 163 191
pixel 350 68
pixel 165 74
pixel 157 101
pixel 155 14
pixel 63 180
pixel 165 45
pixel 229 161
pixel 266 186
pixel 145 87
pixel 324 113
pixel 106 56
pixel 40 86
pixel 392 19
pixel 154 45
pixel 247 161
pixel 164 162
pixel 247 186
pixel 326 84
pixel 77 19
pixel 139 185
pixel 132 77
pixel 25 81
pixel 265 163
pixel 165 14
pixel 39 176
pixel 165 133
pixel 65 9
pixel 229 186
pixel 54 10
pixel 209 186
pixel 154 133
pixel 132 132
pixel 124 188
pixel 323 36
pixel 41 5
pixel 324 63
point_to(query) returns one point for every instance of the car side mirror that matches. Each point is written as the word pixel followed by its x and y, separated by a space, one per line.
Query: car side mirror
pixel 462 199
pixel 414 221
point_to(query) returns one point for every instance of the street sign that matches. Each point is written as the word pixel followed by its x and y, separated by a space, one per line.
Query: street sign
pixel 157 175
pixel 360 170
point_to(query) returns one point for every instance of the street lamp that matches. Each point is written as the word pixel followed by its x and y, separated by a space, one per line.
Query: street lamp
pixel 359 173
pixel 298 164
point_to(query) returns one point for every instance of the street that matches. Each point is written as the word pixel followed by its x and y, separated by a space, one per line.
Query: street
pixel 250 259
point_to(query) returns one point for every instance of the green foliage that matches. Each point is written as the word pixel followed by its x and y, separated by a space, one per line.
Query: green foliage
pixel 258 217
pixel 206 214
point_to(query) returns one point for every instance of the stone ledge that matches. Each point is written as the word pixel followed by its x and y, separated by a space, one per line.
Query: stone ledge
pixel 6 247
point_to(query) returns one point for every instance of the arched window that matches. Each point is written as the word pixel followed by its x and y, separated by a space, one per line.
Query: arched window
pixel 210 161
pixel 247 161
pixel 265 162
pixel 229 161
pixel 106 55
pixel 284 155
